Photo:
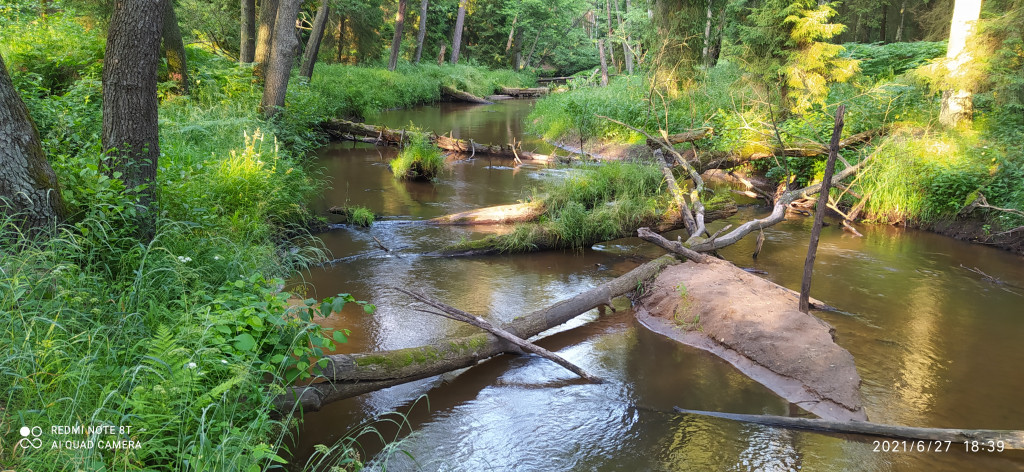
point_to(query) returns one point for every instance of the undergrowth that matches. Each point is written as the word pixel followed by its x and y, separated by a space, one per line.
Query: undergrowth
pixel 418 160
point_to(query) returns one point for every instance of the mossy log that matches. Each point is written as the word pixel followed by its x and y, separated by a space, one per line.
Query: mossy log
pixel 361 132
pixel 493 215
pixel 348 375
pixel 524 92
pixel 460 96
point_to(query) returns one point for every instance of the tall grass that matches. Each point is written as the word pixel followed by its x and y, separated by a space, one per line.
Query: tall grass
pixel 418 160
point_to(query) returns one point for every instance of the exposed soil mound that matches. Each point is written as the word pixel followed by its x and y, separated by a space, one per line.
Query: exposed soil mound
pixel 755 325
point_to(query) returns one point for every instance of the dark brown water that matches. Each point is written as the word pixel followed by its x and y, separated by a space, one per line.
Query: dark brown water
pixel 935 344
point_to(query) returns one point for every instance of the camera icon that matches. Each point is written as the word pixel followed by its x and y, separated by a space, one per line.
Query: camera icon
pixel 30 437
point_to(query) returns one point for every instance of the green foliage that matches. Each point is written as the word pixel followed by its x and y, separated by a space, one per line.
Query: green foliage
pixel 418 160
pixel 362 216
pixel 886 61
pixel 47 57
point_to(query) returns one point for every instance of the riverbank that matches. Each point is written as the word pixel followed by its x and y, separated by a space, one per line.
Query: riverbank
pixel 174 340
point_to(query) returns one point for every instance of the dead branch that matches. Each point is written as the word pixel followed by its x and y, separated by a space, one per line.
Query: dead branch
pixel 459 315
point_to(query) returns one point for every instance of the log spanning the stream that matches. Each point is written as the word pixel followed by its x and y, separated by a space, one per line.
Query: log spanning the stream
pixel 1009 439
pixel 524 92
pixel 352 131
pixel 348 375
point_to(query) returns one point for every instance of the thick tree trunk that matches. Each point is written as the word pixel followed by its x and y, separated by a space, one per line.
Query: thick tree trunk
pixel 265 35
pixel 957 103
pixel 422 32
pixel 1012 440
pixel 457 35
pixel 28 186
pixel 281 58
pixel 313 45
pixel 716 46
pixel 341 37
pixel 396 42
pixel 174 47
pixel 130 133
pixel 494 215
pixel 604 64
pixel 247 51
pixel 706 51
pixel 349 375
pixel 460 96
pixel 611 31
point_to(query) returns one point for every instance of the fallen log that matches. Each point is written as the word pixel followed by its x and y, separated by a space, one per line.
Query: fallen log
pixel 460 96
pixel 684 137
pixel 1010 439
pixel 493 215
pixel 456 314
pixel 382 135
pixel 524 92
pixel 348 375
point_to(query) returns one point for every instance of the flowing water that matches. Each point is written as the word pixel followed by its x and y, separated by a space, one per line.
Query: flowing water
pixel 937 345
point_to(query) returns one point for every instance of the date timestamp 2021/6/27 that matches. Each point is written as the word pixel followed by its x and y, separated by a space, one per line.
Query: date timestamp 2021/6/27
pixel 894 445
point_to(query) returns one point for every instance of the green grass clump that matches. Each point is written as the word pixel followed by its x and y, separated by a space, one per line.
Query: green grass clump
pixel 362 216
pixel 418 160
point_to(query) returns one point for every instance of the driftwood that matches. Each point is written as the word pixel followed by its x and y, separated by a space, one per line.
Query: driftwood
pixel 524 92
pixel 1011 439
pixel 348 375
pixel 493 215
pixel 361 132
pixel 456 314
pixel 458 95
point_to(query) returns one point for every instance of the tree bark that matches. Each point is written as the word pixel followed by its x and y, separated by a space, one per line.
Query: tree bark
pixel 130 132
pixel 957 103
pixel 29 192
pixel 349 375
pixel 819 213
pixel 422 32
pixel 706 51
pixel 627 54
pixel 174 47
pixel 265 35
pixel 611 31
pixel 1012 440
pixel 247 51
pixel 494 215
pixel 396 42
pixel 276 86
pixel 313 45
pixel 457 35
pixel 604 64
pixel 511 32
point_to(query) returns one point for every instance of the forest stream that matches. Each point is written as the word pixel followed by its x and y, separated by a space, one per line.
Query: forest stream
pixel 936 344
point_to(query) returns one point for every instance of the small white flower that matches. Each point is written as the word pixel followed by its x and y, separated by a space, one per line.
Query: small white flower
pixel 184 259
pixel 222 361
pixel 190 365
pixel 216 258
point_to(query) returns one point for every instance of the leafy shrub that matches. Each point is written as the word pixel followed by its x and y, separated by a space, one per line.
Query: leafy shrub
pixel 885 61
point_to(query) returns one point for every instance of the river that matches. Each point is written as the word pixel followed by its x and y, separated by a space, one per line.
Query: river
pixel 936 344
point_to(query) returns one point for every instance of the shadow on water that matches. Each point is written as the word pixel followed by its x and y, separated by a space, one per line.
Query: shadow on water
pixel 935 344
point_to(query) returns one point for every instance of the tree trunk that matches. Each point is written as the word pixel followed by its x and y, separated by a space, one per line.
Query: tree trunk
pixel 819 211
pixel 28 186
pixel 174 47
pixel 248 49
pixel 716 46
pixel 457 36
pixel 349 375
pixel 899 29
pixel 396 42
pixel 511 32
pixel 627 54
pixel 422 32
pixel 529 56
pixel 957 104
pixel 885 19
pixel 281 57
pixel 265 35
pixel 604 64
pixel 313 46
pixel 341 37
pixel 130 132
pixel 611 31
pixel 706 51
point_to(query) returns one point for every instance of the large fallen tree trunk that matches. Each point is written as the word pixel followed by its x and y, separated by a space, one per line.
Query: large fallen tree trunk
pixel 361 132
pixel 348 375
pixel 524 92
pixel 493 215
pixel 950 438
pixel 460 96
